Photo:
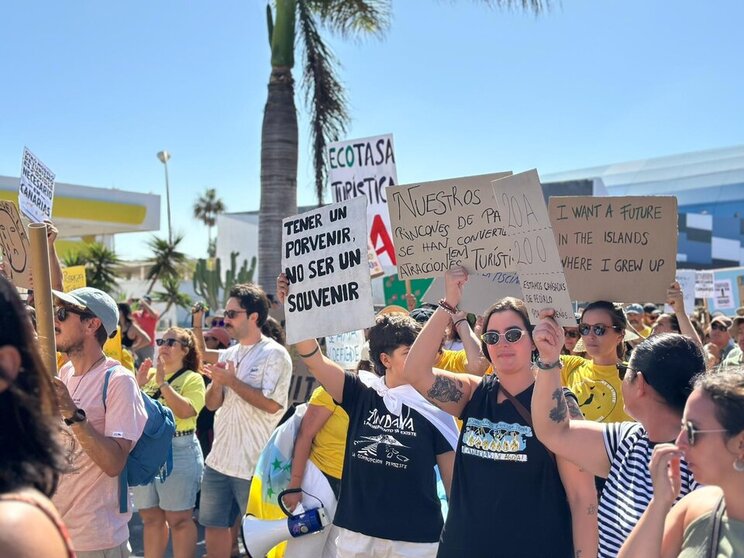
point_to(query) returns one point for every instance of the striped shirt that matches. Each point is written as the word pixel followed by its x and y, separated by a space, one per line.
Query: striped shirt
pixel 629 489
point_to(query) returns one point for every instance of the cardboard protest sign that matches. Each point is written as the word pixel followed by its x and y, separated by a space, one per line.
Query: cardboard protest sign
pixel 15 247
pixel 324 258
pixel 622 249
pixel 366 167
pixel 520 202
pixel 440 224
pixel 724 296
pixel 704 287
pixel 686 280
pixel 345 349
pixel 480 292
pixel 375 269
pixel 36 191
pixel 73 278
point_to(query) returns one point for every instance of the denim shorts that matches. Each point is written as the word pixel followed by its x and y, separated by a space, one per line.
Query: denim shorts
pixel 223 498
pixel 178 492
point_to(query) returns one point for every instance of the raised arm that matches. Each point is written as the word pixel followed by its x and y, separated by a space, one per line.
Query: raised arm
pixel 209 356
pixel 450 392
pixel 330 375
pixel 477 364
pixel 676 300
pixel 579 441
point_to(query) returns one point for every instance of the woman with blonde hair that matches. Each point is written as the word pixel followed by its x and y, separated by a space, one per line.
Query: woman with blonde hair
pixel 708 522
pixel 168 505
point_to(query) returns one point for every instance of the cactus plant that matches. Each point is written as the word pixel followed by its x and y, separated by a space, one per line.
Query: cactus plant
pixel 233 277
pixel 208 283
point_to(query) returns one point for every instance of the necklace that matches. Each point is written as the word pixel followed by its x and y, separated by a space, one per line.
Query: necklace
pixel 248 352
pixel 92 366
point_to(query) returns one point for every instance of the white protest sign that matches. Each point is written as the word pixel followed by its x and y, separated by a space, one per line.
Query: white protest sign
pixel 480 292
pixel 723 294
pixel 686 280
pixel 704 287
pixel 324 256
pixel 440 224
pixel 520 202
pixel 36 190
pixel 345 349
pixel 365 167
pixel 14 246
pixel 375 269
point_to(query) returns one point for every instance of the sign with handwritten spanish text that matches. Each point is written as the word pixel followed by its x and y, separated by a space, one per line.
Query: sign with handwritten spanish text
pixel 440 224
pixel 324 256
pixel 366 167
pixel 15 247
pixel 621 249
pixel 36 191
pixel 519 199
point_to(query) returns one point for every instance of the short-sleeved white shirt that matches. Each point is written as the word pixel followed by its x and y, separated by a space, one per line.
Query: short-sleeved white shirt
pixel 87 498
pixel 240 429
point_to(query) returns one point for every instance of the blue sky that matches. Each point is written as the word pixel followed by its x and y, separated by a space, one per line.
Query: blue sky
pixel 95 88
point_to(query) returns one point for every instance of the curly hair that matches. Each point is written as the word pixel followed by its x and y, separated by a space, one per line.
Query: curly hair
pixel 32 455
pixel 390 332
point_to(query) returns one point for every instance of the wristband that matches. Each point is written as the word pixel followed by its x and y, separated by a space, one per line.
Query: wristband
pixel 447 308
pixel 161 386
pixel 460 321
pixel 548 365
pixel 311 353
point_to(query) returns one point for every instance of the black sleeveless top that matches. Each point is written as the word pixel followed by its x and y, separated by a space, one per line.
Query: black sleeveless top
pixel 507 498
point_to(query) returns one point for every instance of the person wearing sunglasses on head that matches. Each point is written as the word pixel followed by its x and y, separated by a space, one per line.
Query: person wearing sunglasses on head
pixel 710 520
pixel 501 468
pixel 655 388
pixel 167 506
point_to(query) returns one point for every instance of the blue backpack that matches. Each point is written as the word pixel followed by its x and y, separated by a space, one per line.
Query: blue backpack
pixel 152 455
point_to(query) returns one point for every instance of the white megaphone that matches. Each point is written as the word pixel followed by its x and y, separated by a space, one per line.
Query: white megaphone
pixel 261 535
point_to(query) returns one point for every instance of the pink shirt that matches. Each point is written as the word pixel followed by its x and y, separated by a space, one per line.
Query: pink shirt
pixel 87 498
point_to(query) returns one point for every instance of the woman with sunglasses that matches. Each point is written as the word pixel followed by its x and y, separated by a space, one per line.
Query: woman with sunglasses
pixel 31 459
pixel 572 338
pixel 504 477
pixel 710 520
pixel 169 505
pixel 656 386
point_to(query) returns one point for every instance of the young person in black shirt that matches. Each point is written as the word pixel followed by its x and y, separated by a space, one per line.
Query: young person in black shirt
pixel 388 504
pixel 505 483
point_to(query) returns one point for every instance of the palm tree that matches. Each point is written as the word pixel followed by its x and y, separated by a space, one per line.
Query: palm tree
pixel 168 261
pixel 324 94
pixel 172 294
pixel 206 208
pixel 100 265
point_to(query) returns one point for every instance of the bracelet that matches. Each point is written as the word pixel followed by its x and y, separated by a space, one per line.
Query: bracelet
pixel 548 365
pixel 447 308
pixel 311 353
pixel 460 321
pixel 161 386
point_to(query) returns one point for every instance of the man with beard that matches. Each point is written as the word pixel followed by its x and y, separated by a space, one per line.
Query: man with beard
pixel 100 435
pixel 249 389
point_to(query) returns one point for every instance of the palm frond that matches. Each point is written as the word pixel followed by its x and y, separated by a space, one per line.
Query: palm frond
pixel 353 17
pixel 324 94
pixel 535 6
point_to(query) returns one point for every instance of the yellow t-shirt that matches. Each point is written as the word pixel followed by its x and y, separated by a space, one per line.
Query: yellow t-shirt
pixel 645 332
pixel 452 361
pixel 598 389
pixel 189 385
pixel 329 444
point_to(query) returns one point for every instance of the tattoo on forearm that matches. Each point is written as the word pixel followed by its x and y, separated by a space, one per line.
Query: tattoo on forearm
pixel 573 409
pixel 559 412
pixel 445 390
pixel 592 510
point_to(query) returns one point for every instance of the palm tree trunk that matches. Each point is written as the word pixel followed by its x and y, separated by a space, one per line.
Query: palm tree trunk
pixel 278 173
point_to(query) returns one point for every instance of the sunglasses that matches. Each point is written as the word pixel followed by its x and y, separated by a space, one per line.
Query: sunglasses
pixel 597 329
pixel 62 313
pixel 512 335
pixel 572 333
pixel 692 432
pixel 169 342
pixel 719 327
pixel 232 314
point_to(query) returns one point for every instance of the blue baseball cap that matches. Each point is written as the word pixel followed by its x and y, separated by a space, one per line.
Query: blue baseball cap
pixel 634 309
pixel 97 302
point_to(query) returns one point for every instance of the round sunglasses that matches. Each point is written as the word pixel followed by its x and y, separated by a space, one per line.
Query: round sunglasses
pixel 692 432
pixel 512 335
pixel 169 342
pixel 597 329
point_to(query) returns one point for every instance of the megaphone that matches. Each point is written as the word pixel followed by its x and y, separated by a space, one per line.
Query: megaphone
pixel 261 535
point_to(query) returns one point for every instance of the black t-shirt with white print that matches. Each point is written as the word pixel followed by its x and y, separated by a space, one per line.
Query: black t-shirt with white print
pixel 507 498
pixel 388 486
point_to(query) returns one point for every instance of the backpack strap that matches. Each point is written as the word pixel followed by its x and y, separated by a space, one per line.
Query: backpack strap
pixel 123 487
pixel 715 531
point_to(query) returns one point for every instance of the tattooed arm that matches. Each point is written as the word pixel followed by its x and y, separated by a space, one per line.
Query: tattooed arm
pixel 555 419
pixel 446 390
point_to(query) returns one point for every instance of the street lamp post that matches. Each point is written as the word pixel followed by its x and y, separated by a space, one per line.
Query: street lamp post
pixel 164 156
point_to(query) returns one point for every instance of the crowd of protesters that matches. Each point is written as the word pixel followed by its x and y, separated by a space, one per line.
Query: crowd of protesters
pixel 621 436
